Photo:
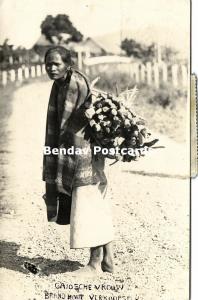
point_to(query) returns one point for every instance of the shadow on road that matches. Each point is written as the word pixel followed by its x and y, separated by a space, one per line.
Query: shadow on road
pixel 12 261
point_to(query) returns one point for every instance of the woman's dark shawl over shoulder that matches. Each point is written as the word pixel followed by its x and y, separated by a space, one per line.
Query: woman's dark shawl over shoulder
pixel 66 127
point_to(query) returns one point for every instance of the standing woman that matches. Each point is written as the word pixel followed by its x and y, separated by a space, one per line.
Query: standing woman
pixel 75 183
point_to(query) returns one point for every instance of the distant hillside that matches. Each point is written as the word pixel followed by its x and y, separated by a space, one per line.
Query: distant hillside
pixel 175 38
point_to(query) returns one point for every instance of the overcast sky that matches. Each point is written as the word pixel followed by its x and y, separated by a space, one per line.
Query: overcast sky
pixel 20 19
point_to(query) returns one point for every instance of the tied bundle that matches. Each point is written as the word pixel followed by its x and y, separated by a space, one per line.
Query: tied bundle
pixel 114 126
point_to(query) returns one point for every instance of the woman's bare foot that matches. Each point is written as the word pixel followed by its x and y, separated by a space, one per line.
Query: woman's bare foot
pixel 107 266
pixel 88 271
pixel 94 266
pixel 107 262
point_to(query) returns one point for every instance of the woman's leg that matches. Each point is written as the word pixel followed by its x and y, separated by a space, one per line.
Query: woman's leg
pixel 101 259
pixel 107 262
pixel 94 265
pixel 96 255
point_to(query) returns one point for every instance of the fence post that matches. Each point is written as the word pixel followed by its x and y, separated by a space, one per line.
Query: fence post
pixel 26 72
pixel 131 72
pixel 175 75
pixel 164 72
pixel 149 72
pixel 38 70
pixel 43 69
pixel 12 75
pixel 33 73
pixel 142 72
pixel 136 72
pixel 156 75
pixel 20 74
pixel 184 74
pixel 4 77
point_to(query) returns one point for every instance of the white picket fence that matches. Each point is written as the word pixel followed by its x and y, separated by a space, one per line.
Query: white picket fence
pixel 22 73
pixel 150 73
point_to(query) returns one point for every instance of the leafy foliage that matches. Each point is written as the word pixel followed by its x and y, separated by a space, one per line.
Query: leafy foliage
pixel 138 50
pixel 13 57
pixel 53 26
pixel 148 53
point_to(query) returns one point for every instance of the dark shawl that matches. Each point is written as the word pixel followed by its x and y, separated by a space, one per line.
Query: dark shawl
pixel 67 126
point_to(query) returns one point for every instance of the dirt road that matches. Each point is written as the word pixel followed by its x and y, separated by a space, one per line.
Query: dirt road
pixel 151 216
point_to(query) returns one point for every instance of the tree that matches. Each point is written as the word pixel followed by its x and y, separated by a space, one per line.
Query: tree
pixel 137 50
pixel 54 26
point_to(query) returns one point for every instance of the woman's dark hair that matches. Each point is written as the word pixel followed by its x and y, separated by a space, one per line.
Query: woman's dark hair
pixel 64 53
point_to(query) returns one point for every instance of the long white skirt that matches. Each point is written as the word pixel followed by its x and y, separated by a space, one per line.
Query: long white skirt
pixel 91 217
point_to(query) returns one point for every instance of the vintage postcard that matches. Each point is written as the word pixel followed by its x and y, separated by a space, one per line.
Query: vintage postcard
pixel 97 136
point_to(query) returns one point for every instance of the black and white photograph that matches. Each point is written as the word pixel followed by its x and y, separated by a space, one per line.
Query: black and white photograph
pixel 95 136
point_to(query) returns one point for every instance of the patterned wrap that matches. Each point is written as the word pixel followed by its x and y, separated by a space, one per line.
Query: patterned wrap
pixel 66 127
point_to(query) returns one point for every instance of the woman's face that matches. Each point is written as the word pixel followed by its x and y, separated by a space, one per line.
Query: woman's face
pixel 55 66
